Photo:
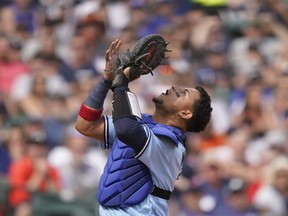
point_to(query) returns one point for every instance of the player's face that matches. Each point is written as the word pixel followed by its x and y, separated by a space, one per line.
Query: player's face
pixel 176 99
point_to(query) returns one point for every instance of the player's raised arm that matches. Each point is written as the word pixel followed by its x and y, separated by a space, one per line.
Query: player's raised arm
pixel 90 122
pixel 141 60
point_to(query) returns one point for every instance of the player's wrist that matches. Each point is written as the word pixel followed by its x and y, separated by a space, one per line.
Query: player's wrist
pixel 120 80
pixel 108 75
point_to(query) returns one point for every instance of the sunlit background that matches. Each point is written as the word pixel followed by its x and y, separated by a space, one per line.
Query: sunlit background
pixel 52 54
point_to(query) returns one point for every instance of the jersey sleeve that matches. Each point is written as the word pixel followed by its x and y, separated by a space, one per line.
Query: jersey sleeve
pixel 109 133
pixel 162 157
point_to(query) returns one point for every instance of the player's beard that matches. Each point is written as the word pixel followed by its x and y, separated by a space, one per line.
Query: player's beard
pixel 157 101
pixel 160 107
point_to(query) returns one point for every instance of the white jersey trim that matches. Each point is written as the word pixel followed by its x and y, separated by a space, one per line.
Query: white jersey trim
pixel 146 144
pixel 106 131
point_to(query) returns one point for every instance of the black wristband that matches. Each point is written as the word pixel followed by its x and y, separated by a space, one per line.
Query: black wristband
pixel 120 79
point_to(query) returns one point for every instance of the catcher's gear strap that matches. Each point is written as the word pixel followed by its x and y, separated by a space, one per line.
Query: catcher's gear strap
pixel 125 104
pixel 164 194
pixel 89 114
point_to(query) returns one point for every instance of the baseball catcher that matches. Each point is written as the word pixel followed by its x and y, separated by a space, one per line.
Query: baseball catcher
pixel 146 150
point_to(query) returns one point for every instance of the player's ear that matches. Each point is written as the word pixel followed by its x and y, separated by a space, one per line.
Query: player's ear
pixel 185 114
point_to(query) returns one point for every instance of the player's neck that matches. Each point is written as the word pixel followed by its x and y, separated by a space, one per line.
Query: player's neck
pixel 164 118
pixel 160 117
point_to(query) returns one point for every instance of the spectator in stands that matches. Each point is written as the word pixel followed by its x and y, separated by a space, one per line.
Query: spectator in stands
pixel 12 148
pixel 272 197
pixel 34 104
pixel 57 120
pixel 19 14
pixel 31 174
pixel 212 185
pixel 190 200
pixel 80 165
pixel 92 30
pixel 80 65
pixel 9 68
pixel 237 202
pixel 209 43
pixel 254 115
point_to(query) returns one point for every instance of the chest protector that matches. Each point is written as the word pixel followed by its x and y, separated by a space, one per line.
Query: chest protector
pixel 127 181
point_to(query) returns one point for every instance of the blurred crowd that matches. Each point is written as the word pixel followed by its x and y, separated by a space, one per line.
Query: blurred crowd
pixel 52 54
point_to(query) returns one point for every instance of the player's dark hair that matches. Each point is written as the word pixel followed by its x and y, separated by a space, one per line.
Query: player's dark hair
pixel 201 112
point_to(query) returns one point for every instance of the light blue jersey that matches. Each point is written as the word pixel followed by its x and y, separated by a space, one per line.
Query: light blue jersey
pixel 157 155
pixel 151 206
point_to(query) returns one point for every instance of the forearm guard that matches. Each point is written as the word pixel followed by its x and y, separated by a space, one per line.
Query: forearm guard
pixel 125 104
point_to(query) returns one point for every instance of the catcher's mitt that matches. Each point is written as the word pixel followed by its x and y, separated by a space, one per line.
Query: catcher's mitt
pixel 146 55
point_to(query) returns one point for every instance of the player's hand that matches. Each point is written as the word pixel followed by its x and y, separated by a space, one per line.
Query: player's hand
pixel 110 58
